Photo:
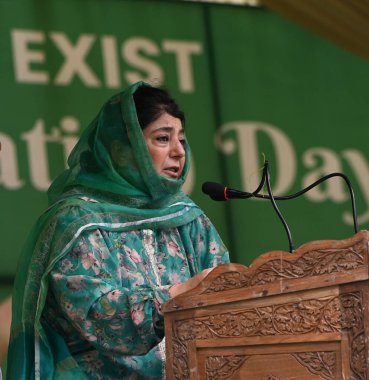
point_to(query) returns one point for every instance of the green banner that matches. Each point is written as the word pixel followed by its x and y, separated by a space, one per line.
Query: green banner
pixel 301 102
pixel 61 60
pixel 252 85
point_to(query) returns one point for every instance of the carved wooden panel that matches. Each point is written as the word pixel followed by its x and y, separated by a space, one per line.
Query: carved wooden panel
pixel 330 314
pixel 312 263
pixel 309 312
pixel 223 367
pixel 319 363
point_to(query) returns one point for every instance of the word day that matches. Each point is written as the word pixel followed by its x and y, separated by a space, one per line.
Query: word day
pixel 240 137
pixel 138 57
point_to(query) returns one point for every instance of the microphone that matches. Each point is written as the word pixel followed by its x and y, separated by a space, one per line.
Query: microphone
pixel 219 192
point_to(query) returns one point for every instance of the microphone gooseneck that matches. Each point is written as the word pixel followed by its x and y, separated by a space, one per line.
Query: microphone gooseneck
pixel 219 192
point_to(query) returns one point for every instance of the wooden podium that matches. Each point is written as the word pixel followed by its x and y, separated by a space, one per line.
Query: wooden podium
pixel 287 316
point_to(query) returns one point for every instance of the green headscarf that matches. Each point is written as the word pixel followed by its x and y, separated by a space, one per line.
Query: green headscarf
pixel 134 180
pixel 96 191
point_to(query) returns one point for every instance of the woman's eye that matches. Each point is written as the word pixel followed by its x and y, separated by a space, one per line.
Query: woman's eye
pixel 183 141
pixel 162 138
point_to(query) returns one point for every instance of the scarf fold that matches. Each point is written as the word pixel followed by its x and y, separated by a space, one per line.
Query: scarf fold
pixel 100 189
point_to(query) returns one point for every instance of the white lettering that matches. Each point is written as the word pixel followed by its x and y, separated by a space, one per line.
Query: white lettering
pixel 130 51
pixel 333 189
pixel 360 167
pixel 9 176
pixel 75 60
pixel 69 125
pixel 24 57
pixel 110 61
pixel 36 140
pixel 246 132
pixel 183 51
pixel 138 52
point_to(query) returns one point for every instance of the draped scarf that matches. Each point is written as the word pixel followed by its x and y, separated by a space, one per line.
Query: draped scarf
pixel 98 190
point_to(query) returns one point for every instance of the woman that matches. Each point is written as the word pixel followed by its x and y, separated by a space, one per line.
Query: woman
pixel 119 239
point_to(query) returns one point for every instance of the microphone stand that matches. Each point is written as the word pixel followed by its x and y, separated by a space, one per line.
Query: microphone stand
pixel 265 179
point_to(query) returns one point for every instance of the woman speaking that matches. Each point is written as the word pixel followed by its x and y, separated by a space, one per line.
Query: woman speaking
pixel 118 240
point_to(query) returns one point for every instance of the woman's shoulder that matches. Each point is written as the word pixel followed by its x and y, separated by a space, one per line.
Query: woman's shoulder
pixel 65 205
pixel 201 221
pixel 71 209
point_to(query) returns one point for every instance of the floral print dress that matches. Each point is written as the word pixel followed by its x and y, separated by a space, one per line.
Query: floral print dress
pixel 106 293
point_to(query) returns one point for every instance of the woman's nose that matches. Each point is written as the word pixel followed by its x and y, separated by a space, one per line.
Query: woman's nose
pixel 178 149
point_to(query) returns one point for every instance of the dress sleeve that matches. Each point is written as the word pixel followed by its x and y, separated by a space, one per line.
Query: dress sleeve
pixel 209 248
pixel 111 305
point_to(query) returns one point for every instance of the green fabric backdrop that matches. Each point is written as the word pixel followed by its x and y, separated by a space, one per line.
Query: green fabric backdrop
pixel 251 83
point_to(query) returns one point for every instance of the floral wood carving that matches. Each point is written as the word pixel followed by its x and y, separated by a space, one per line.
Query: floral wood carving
pixel 319 363
pixel 223 367
pixel 329 314
pixel 307 316
pixel 352 322
pixel 312 263
pixel 180 365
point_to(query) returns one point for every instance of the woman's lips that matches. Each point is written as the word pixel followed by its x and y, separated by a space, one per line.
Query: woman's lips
pixel 172 172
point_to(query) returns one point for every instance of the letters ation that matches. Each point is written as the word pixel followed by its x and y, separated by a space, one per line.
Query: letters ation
pixel 37 141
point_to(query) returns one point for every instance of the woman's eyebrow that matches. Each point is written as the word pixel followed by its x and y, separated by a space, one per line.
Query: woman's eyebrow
pixel 167 128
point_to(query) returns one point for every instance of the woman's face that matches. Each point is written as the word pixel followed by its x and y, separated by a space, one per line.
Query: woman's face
pixel 165 141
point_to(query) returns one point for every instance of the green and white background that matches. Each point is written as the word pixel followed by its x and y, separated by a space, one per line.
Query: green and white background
pixel 252 84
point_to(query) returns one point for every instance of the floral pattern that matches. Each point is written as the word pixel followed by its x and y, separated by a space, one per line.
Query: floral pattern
pixel 106 294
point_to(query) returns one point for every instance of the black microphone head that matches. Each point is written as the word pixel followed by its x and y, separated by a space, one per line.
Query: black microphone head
pixel 216 191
